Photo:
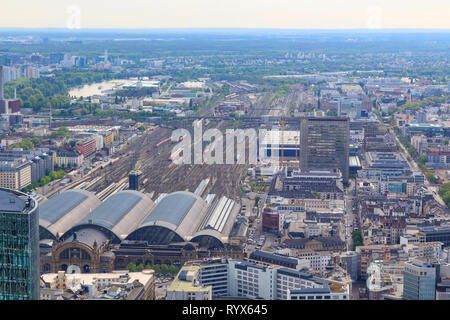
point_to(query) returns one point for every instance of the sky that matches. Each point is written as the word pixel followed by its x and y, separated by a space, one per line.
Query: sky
pixel 283 14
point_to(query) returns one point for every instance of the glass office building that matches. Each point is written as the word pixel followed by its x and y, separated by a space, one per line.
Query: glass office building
pixel 436 234
pixel 325 144
pixel 19 246
pixel 419 281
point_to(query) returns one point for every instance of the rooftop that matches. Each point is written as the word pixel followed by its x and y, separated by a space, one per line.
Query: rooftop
pixel 89 278
pixel 113 209
pixel 386 160
pixel 11 202
pixel 172 208
pixel 118 215
pixel 336 287
pixel 274 137
pixel 354 161
pixel 277 257
pixel 58 206
pixel 186 285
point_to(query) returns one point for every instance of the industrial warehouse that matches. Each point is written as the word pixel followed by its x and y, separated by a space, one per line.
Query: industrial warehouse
pixel 79 233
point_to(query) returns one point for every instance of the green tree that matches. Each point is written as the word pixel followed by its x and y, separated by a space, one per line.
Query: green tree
pixel 173 270
pixel 157 268
pixel 61 132
pixel 140 267
pixel 26 144
pixel 446 198
pixel 131 267
pixel 444 192
pixel 444 188
pixel 423 159
pixel 357 239
pixel 432 178
pixel 164 268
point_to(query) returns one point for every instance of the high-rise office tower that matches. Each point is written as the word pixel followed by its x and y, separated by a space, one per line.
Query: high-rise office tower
pixel 133 179
pixel 7 106
pixel 19 246
pixel 419 281
pixel 1 84
pixel 324 143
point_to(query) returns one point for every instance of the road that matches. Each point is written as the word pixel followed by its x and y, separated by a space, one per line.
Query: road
pixel 349 205
pixel 411 162
pixel 416 168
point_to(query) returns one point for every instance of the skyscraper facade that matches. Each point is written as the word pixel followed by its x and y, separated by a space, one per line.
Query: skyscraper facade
pixel 419 282
pixel 133 179
pixel 324 144
pixel 19 246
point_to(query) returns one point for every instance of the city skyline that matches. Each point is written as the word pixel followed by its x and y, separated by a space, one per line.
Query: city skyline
pixel 275 150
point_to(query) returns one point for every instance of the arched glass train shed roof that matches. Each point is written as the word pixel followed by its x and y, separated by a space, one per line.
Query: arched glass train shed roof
pixel 175 218
pixel 61 212
pixel 117 216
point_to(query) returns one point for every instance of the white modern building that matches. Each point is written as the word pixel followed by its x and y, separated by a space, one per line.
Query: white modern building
pixel 187 286
pixel 430 250
pixel 243 279
pixel 318 262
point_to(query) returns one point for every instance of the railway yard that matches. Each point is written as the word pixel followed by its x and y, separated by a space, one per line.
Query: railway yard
pixel 159 174
pixel 150 153
pixel 298 98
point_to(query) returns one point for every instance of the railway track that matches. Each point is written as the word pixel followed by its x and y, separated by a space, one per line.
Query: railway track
pixel 163 176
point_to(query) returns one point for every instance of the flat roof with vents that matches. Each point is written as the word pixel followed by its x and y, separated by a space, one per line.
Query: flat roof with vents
pixel 11 202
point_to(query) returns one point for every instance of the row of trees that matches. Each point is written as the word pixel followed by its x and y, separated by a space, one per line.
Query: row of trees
pixel 357 239
pixel 54 175
pixel 430 177
pixel 159 269
pixel 61 132
pixel 30 143
pixel 418 104
pixel 444 192
pixel 420 160
pixel 26 143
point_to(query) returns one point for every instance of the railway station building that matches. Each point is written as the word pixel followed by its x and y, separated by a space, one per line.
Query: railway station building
pixel 81 234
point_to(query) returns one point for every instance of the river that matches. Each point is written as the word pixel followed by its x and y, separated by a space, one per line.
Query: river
pixel 97 88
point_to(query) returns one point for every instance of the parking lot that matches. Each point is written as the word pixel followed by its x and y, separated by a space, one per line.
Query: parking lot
pixel 161 284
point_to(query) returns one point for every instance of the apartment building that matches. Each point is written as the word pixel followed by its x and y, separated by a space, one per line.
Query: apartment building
pixel 87 147
pixel 15 175
pixel 68 158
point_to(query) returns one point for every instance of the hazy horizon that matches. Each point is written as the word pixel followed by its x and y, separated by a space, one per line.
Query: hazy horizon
pixel 221 14
pixel 381 30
